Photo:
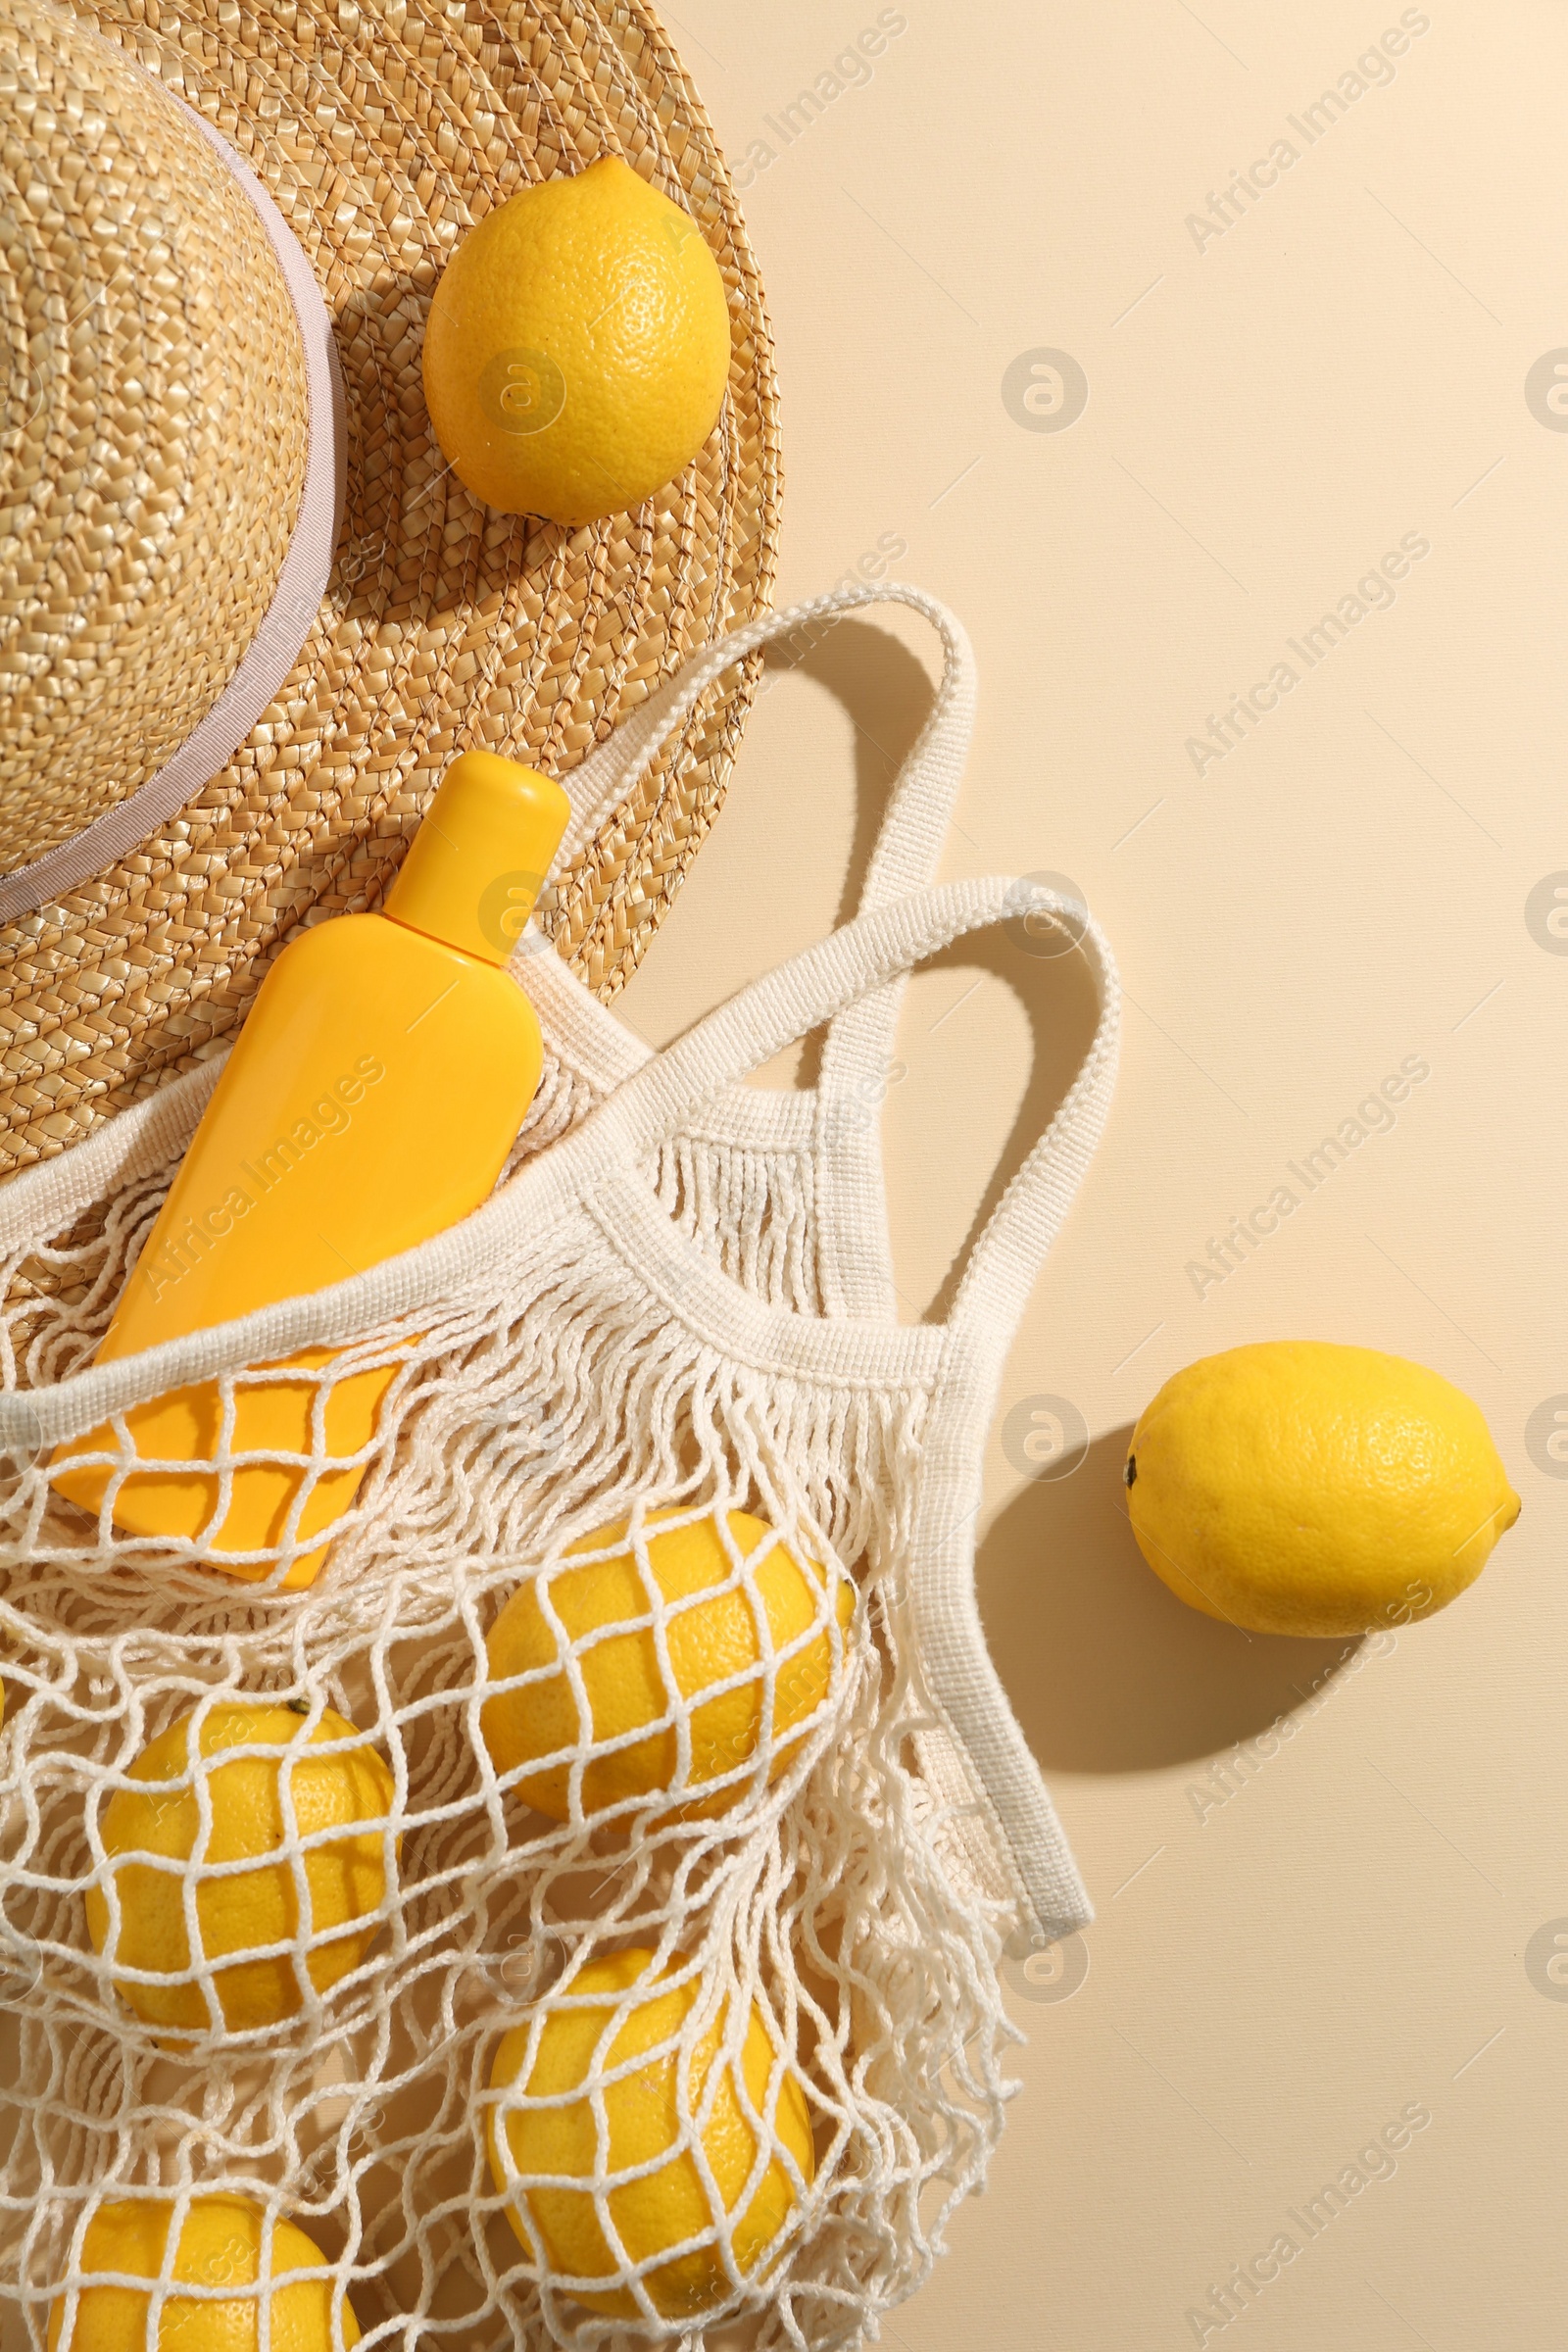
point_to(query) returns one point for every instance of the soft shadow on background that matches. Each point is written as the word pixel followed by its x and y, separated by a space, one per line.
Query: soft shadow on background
pixel 1058 995
pixel 1107 1670
pixel 887 696
pixel 886 692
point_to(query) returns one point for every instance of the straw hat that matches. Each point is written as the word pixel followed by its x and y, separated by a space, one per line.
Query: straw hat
pixel 247 614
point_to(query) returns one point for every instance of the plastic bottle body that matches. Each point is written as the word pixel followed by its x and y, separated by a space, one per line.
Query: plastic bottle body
pixel 369 1102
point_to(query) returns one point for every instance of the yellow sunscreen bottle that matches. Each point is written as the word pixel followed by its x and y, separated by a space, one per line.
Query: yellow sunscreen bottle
pixel 371 1100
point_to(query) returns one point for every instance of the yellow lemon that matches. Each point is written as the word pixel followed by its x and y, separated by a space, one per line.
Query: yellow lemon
pixel 604 1609
pixel 219 2245
pixel 577 347
pixel 1297 1486
pixel 241 1912
pixel 670 2203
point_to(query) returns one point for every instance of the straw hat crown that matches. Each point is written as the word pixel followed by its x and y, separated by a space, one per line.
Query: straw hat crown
pixel 151 444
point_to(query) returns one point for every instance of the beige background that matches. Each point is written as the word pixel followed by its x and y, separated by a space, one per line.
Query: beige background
pixel 1273 1978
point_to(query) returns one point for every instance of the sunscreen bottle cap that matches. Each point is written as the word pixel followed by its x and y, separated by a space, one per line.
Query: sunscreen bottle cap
pixel 479 859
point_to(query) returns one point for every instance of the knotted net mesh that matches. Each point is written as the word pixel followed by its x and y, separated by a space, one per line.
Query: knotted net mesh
pixel 606 1973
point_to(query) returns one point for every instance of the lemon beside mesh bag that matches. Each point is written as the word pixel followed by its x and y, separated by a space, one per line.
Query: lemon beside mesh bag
pixel 575 1918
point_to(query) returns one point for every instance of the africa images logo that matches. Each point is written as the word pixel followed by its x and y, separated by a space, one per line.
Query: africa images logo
pixel 1373 69
pixel 1374 1114
pixel 1546 390
pixel 196 1235
pixel 505 909
pixel 522 391
pixel 1233 2296
pixel 1044 390
pixel 1374 592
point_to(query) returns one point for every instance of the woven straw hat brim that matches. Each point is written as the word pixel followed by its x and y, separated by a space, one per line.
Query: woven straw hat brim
pixel 381 136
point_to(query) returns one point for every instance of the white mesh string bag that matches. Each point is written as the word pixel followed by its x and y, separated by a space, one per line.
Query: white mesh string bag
pixel 676 1306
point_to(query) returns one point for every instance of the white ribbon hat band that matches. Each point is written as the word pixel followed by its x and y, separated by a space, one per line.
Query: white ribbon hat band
pixel 276 646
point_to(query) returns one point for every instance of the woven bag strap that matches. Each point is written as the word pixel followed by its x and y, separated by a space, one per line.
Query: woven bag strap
pixel 855 1261
pixel 975 1754
pixel 997 1782
pixel 911 836
pixel 842 971
pixel 855 1267
pixel 651 1104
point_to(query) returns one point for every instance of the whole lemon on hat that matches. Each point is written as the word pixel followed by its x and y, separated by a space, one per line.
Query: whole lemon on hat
pixel 151 1828
pixel 219 2245
pixel 577 347
pixel 557 2147
pixel 1299 1487
pixel 713 1638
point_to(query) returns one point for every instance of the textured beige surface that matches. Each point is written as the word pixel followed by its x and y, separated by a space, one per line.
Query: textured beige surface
pixel 1278 1973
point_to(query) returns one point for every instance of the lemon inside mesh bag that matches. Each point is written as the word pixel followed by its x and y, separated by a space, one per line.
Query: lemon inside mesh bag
pixel 705 1634
pixel 153 1829
pixel 591 2117
pixel 219 2244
